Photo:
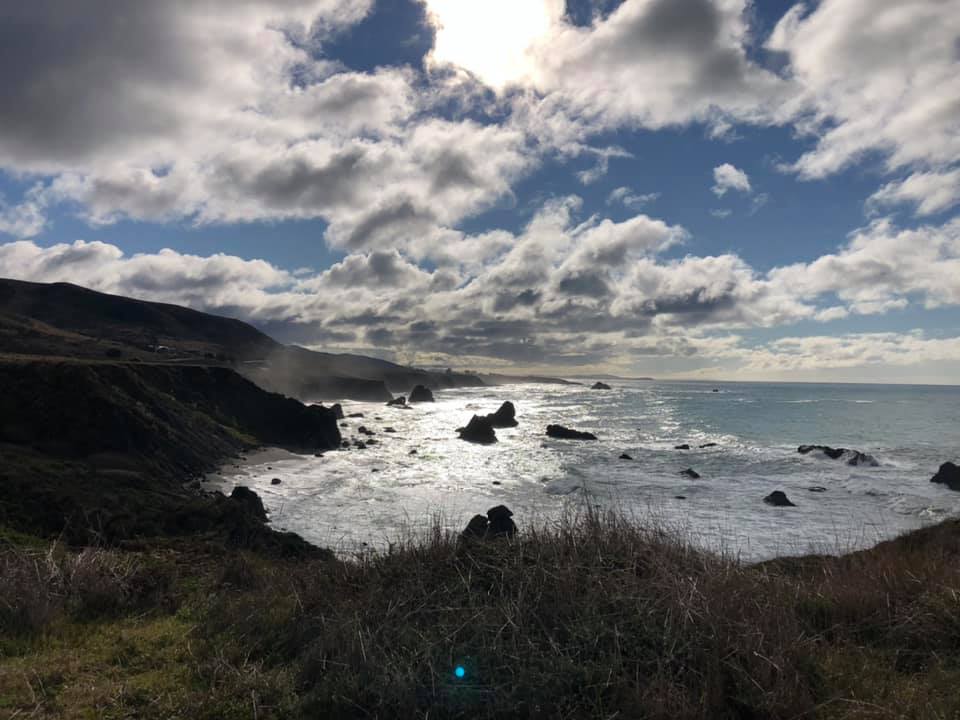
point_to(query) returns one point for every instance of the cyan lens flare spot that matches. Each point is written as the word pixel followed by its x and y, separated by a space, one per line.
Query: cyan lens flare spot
pixel 460 672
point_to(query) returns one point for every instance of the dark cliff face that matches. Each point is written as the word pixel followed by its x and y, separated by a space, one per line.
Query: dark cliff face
pixel 87 442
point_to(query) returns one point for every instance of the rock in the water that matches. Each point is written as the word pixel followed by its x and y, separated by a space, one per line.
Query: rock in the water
pixel 501 523
pixel 715 390
pixel 337 411
pixel 355 415
pixel 680 497
pixel 851 457
pixel 421 393
pixel 360 445
pixel 389 430
pixel 817 488
pixel 949 475
pixel 600 386
pixel 504 417
pixel 413 452
pixel 402 400
pixel 251 502
pixel 690 473
pixel 625 456
pixel 496 482
pixel 681 447
pixel 364 431
pixel 706 445
pixel 563 433
pixel 778 498
pixel 478 430
pixel 275 481
pixel 476 528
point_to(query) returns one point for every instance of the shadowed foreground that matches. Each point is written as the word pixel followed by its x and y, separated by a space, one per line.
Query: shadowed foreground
pixel 593 618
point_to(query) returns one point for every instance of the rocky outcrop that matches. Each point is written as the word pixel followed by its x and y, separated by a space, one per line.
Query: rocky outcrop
pixel 498 523
pixel 337 410
pixel 478 430
pixel 401 400
pixel 504 417
pixel 564 433
pixel 251 502
pixel 949 475
pixel 600 386
pixel 421 393
pixel 778 498
pixel 850 457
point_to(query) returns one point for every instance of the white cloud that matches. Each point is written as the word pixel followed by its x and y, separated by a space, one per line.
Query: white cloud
pixel 628 198
pixel 929 192
pixel 727 177
pixel 877 76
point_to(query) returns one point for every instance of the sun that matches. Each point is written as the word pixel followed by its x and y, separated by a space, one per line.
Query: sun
pixel 491 39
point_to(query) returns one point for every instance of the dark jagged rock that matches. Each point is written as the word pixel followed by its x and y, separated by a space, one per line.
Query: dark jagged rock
pixel 708 445
pixel 625 456
pixel 504 417
pixel 275 481
pixel 250 501
pixel 496 482
pixel 778 498
pixel 681 447
pixel 497 523
pixel 690 473
pixel 564 433
pixel 364 431
pixel 355 415
pixel 345 444
pixel 478 430
pixel 413 452
pixel 337 411
pixel 851 457
pixel 389 430
pixel 477 528
pixel 360 445
pixel 421 393
pixel 401 400
pixel 600 386
pixel 680 497
pixel 501 522
pixel 949 475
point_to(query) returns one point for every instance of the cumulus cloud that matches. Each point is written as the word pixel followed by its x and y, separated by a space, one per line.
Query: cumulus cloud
pixel 928 192
pixel 727 177
pixel 878 76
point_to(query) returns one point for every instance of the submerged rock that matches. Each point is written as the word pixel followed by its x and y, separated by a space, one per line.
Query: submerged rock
pixel 421 393
pixel 851 457
pixel 625 456
pixel 706 445
pixel 949 475
pixel 600 386
pixel 690 473
pixel 504 417
pixel 685 446
pixel 778 498
pixel 564 433
pixel 817 489
pixel 478 430
pixel 401 400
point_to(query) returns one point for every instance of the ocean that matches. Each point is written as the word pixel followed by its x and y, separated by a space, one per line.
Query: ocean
pixel 353 500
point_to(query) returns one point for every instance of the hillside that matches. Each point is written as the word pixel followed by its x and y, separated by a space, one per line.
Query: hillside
pixel 68 321
pixel 104 450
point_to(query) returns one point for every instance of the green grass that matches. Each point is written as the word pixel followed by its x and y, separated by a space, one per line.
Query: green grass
pixel 592 618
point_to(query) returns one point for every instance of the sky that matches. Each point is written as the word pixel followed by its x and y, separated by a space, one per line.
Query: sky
pixel 725 189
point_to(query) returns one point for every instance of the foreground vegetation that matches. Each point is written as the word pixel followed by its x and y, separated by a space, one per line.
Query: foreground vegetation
pixel 592 618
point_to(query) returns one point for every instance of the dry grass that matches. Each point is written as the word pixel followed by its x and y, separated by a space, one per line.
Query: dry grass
pixel 591 618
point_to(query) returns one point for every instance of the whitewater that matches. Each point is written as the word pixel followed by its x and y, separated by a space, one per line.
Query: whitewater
pixel 419 472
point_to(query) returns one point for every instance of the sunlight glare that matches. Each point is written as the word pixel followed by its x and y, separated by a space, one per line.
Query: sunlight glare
pixel 491 39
